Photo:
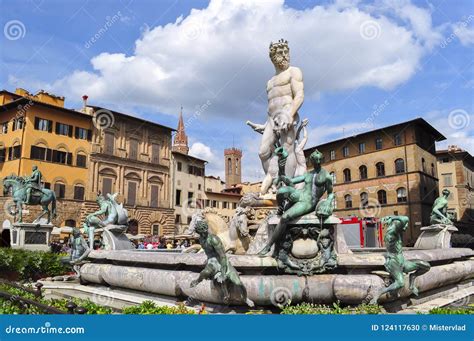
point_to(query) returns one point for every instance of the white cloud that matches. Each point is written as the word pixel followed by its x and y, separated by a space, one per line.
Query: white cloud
pixel 457 125
pixel 215 165
pixel 220 54
pixel 464 32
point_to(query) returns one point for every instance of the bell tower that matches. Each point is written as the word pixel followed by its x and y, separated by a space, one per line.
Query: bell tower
pixel 180 142
pixel 233 166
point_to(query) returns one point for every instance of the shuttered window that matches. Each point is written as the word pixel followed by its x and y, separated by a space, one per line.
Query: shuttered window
pixel 154 195
pixel 106 186
pixel 132 193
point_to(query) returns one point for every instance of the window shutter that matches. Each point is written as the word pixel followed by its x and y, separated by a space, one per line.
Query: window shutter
pixel 69 132
pixel 76 132
pixel 49 154
pixel 69 158
pixel 89 135
pixel 36 123
pixel 50 126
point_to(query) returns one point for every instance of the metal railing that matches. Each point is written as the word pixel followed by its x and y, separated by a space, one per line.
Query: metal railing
pixel 23 303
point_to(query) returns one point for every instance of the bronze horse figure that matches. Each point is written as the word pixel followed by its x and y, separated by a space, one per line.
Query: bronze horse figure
pixel 17 187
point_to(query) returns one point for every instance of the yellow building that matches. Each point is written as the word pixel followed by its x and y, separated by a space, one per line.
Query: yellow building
pixel 39 130
pixel 78 160
pixel 387 171
pixel 456 173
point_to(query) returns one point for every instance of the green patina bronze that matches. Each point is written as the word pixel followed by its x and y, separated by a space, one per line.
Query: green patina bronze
pixel 79 248
pixel 439 212
pixel 114 214
pixel 395 263
pixel 294 203
pixel 218 267
pixel 28 190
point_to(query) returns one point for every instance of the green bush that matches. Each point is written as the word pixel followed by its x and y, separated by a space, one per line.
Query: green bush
pixel 453 311
pixel 335 309
pixel 150 308
pixel 28 264
pixel 8 307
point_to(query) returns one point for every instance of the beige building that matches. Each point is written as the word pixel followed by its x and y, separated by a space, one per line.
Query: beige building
pixel 133 158
pixel 188 188
pixel 187 180
pixel 456 173
pixel 387 171
pixel 223 200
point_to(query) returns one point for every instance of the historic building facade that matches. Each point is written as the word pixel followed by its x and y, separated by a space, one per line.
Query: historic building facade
pixel 38 130
pixel 387 171
pixel 78 160
pixel 187 180
pixel 456 173
pixel 219 198
pixel 133 158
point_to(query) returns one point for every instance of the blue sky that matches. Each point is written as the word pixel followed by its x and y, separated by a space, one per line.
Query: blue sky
pixel 365 64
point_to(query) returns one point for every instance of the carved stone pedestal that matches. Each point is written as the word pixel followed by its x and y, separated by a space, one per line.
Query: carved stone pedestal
pixel 436 236
pixel 31 236
pixel 114 238
pixel 308 246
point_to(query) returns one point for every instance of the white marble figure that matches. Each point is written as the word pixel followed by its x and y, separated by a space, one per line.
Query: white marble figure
pixel 285 96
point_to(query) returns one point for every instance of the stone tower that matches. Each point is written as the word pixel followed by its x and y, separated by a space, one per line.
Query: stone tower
pixel 233 174
pixel 180 142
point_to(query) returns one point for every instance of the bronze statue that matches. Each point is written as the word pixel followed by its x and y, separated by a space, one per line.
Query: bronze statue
pixel 114 212
pixel 439 212
pixel 27 190
pixel 395 262
pixel 294 203
pixel 218 266
pixel 33 182
pixel 79 248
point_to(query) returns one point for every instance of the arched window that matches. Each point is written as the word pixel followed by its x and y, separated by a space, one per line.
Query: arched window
pixel 401 194
pixel 423 164
pixel 399 166
pixel 382 197
pixel 380 167
pixel 70 223
pixel 348 200
pixel 333 176
pixel 364 199
pixel 347 175
pixel 81 159
pixel 229 165
pixel 79 192
pixel 363 172
pixel 236 166
pixel 432 169
pixel 60 190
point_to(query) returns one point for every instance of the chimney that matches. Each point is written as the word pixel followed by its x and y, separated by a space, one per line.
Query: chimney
pixel 84 101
